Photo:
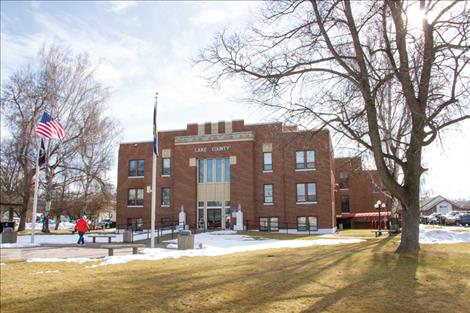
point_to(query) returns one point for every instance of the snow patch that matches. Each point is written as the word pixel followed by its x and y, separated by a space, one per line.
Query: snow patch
pixel 18 245
pixel 172 246
pixel 52 260
pixel 209 244
pixel 439 235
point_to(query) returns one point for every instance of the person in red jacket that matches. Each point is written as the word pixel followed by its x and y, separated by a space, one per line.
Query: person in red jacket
pixel 81 227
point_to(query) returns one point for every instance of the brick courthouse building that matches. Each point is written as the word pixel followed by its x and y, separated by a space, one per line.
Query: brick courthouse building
pixel 279 176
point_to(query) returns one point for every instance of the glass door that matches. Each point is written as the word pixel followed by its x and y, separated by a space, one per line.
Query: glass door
pixel 214 218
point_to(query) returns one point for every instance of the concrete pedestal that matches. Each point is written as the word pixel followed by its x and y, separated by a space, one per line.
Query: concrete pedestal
pixel 9 236
pixel 128 236
pixel 185 242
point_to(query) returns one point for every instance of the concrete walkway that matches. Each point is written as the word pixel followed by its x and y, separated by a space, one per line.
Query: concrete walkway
pixel 64 251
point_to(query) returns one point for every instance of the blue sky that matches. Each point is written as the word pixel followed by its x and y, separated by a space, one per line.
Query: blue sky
pixel 142 47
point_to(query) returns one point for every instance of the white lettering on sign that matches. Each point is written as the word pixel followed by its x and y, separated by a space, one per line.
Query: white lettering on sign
pixel 213 149
pixel 222 148
pixel 202 149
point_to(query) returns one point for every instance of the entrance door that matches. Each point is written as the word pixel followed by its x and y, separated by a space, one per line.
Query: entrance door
pixel 214 218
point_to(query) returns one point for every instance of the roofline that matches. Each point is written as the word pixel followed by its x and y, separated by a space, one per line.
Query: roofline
pixel 134 142
pixel 443 199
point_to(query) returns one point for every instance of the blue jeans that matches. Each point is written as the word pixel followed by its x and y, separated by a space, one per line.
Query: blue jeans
pixel 80 238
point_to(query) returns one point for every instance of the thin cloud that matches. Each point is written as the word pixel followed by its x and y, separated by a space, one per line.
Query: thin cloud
pixel 121 6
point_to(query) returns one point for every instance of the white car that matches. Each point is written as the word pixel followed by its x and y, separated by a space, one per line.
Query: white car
pixel 451 218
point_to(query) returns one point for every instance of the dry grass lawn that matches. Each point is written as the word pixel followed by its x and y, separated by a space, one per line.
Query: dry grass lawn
pixel 363 277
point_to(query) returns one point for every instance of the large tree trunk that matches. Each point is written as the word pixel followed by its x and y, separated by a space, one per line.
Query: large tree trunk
pixel 22 224
pixel 45 222
pixel 410 223
pixel 57 222
pixel 22 213
pixel 10 214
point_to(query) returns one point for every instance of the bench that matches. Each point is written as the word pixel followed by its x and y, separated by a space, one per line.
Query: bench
pixel 379 232
pixel 102 236
pixel 135 247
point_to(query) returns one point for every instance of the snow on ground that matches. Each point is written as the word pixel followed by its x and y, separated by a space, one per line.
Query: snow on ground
pixel 441 235
pixel 19 245
pixel 62 225
pixel 52 260
pixel 213 244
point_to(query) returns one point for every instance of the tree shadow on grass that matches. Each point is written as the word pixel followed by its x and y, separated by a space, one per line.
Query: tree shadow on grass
pixel 315 279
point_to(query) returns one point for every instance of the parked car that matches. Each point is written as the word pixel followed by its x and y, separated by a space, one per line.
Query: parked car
pixel 451 218
pixel 106 223
pixel 434 218
pixel 464 219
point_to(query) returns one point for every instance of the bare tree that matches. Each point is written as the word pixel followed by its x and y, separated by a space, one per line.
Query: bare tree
pixel 10 181
pixel 328 62
pixel 23 100
pixel 64 85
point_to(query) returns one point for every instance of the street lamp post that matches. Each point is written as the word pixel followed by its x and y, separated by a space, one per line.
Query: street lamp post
pixel 379 205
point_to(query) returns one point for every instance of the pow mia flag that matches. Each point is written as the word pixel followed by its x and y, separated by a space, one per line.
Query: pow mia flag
pixel 42 154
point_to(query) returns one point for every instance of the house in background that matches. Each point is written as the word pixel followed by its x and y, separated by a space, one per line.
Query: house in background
pixel 438 204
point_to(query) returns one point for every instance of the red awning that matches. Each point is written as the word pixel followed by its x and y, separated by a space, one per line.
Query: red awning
pixel 368 214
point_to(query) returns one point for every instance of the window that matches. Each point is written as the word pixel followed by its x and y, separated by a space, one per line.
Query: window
pixel 274 224
pixel 306 192
pixel 214 204
pixel 210 170
pixel 136 168
pixel 135 223
pixel 263 224
pixel 166 166
pixel 345 204
pixel 135 197
pixel 200 168
pixel 165 196
pixel 299 160
pixel 307 223
pixel 310 159
pixel 200 214
pixel 305 159
pixel 218 170
pixel 227 170
pixel 343 180
pixel 270 223
pixel 267 161
pixel 268 193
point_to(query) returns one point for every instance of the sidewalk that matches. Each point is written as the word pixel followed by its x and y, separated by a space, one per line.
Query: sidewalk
pixel 63 251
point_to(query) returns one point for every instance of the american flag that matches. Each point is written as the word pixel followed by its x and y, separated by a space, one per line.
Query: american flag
pixel 49 127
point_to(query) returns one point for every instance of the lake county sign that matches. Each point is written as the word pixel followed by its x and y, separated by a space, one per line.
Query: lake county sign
pixel 213 149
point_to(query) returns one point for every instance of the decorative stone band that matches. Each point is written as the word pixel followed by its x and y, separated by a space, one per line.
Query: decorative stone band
pixel 214 138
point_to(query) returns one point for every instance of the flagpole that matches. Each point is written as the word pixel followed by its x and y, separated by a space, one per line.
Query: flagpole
pixel 154 179
pixel 35 200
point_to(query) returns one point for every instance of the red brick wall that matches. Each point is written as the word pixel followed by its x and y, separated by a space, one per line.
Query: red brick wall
pixel 360 191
